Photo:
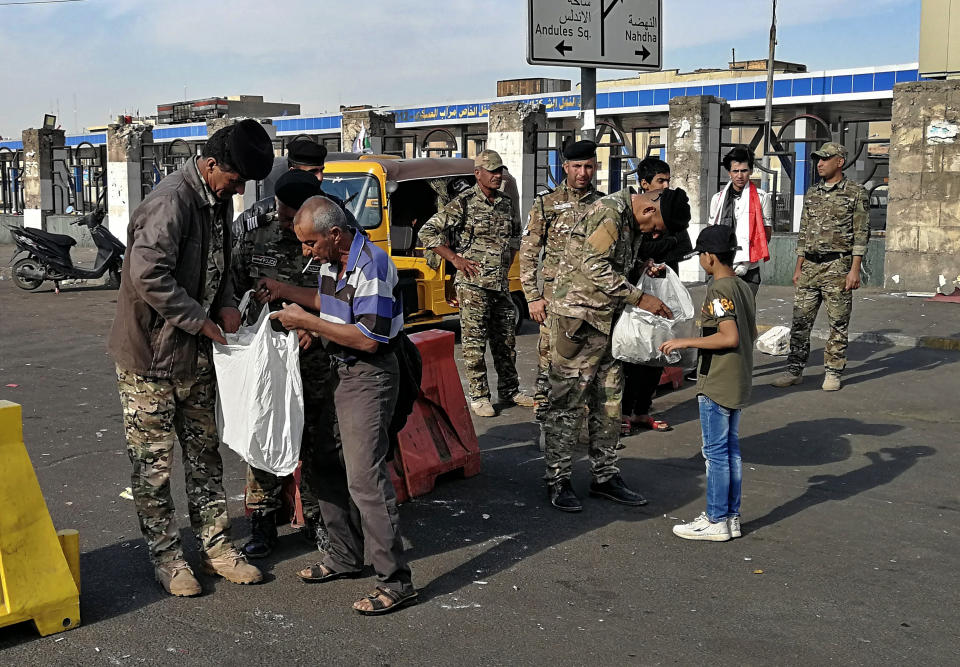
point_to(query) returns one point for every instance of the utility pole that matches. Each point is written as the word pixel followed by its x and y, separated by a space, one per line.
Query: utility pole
pixel 768 107
pixel 588 103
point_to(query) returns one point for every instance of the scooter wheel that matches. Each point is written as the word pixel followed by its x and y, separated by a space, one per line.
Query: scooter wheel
pixel 113 279
pixel 30 264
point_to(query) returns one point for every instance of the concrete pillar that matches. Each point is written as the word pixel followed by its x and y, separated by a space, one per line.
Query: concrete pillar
pixel 37 176
pixel 693 153
pixel 377 124
pixel 923 210
pixel 124 173
pixel 512 132
pixel 249 197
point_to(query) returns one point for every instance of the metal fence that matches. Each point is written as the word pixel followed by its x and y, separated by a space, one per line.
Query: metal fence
pixel 11 181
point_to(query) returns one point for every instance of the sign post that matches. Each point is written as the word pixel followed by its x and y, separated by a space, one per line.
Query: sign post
pixel 612 34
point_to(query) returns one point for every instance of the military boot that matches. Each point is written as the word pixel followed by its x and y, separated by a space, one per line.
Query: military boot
pixel 263 535
pixel 563 497
pixel 177 578
pixel 231 565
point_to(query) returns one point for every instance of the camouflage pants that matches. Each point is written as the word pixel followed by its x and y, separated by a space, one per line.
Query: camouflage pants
pixel 488 316
pixel 821 282
pixel 583 372
pixel 542 389
pixel 264 489
pixel 155 412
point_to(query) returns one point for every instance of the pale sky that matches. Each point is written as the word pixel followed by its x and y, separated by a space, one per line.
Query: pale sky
pixel 97 58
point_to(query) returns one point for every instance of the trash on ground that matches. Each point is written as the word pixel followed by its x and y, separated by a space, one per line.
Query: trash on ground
pixel 775 341
pixel 127 494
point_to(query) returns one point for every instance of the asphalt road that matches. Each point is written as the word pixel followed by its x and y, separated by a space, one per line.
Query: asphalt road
pixel 850 550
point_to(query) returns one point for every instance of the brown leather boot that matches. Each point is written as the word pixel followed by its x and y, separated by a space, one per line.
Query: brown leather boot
pixel 232 566
pixel 177 578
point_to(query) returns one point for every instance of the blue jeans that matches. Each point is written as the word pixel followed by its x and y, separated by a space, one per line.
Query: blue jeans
pixel 721 449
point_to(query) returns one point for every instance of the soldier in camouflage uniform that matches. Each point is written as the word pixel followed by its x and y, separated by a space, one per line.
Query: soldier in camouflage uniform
pixel 176 283
pixel 834 231
pixel 479 233
pixel 544 241
pixel 590 292
pixel 273 251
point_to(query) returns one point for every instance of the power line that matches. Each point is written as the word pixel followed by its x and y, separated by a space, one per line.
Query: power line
pixel 38 2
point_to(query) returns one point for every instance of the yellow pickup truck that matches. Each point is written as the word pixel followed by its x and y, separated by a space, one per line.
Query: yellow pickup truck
pixel 391 198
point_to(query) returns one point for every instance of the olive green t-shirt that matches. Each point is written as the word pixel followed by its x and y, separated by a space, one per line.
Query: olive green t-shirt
pixel 726 376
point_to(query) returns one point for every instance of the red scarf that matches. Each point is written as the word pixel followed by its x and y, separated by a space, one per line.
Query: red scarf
pixel 758 235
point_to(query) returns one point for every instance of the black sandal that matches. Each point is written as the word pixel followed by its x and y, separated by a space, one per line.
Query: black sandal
pixel 318 573
pixel 396 598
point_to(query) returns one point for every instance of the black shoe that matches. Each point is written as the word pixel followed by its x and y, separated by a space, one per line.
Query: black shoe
pixel 614 489
pixel 263 535
pixel 315 533
pixel 563 498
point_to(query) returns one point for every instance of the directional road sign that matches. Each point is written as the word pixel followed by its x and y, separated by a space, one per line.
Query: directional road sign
pixel 615 34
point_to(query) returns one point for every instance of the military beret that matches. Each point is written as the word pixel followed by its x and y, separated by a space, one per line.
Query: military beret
pixel 830 149
pixel 579 150
pixel 251 151
pixel 306 152
pixel 675 209
pixel 296 187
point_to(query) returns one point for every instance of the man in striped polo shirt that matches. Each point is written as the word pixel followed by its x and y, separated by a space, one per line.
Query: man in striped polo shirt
pixel 359 314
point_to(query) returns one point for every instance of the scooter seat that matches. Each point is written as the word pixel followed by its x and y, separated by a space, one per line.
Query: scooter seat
pixel 57 239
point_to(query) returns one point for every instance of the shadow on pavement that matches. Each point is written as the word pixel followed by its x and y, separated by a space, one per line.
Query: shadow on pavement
pixel 505 509
pixel 809 443
pixel 885 465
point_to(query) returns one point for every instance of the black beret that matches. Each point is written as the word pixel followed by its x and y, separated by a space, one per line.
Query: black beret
pixel 296 187
pixel 675 209
pixel 579 150
pixel 306 152
pixel 251 150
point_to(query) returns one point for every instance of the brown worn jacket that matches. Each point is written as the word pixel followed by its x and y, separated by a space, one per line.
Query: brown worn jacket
pixel 159 311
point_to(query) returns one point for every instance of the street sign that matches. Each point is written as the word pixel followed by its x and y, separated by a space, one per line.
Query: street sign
pixel 615 34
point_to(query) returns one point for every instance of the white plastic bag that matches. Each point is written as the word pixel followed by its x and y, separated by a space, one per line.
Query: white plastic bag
pixel 260 394
pixel 775 341
pixel 638 333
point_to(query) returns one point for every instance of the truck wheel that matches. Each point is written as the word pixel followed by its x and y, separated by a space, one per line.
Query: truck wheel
pixel 30 264
pixel 520 309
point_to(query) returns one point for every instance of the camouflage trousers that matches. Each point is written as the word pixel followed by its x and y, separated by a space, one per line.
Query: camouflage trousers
pixel 264 489
pixel 155 413
pixel 542 388
pixel 821 282
pixel 583 373
pixel 488 316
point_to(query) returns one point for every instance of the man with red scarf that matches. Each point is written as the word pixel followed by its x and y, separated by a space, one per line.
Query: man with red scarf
pixel 749 211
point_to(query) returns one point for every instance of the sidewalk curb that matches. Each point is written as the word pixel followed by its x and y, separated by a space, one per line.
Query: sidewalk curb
pixel 898 340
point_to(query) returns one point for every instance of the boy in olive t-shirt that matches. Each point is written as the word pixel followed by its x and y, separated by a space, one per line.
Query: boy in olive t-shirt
pixel 723 384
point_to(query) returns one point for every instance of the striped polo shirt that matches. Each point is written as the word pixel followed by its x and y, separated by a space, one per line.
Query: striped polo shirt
pixel 367 295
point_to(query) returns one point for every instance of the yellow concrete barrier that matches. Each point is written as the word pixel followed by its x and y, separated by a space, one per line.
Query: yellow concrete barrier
pixel 39 571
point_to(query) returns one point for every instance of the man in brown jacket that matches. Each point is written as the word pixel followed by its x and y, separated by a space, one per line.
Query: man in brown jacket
pixel 175 295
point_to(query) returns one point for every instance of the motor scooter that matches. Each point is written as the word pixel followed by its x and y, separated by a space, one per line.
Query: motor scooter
pixel 46 256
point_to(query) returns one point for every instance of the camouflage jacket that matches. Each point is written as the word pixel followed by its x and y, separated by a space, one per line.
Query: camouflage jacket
pixel 548 227
pixel 834 219
pixel 271 252
pixel 480 230
pixel 592 280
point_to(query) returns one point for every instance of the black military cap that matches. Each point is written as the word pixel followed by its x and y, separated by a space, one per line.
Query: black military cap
pixel 306 152
pixel 296 187
pixel 717 239
pixel 579 150
pixel 251 151
pixel 675 209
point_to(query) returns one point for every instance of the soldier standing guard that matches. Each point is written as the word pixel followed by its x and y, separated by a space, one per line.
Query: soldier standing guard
pixel 176 286
pixel 590 292
pixel 543 243
pixel 479 233
pixel 834 231
pixel 273 251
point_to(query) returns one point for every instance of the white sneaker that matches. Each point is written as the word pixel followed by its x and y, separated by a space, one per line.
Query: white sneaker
pixel 702 528
pixel 733 523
